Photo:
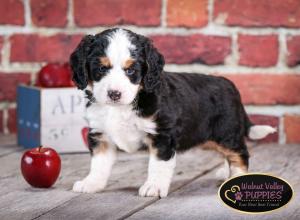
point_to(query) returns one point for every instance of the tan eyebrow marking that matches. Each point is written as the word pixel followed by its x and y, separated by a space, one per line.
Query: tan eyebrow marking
pixel 105 61
pixel 128 63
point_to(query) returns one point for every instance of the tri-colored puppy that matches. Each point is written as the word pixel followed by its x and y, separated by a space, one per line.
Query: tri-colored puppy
pixel 133 102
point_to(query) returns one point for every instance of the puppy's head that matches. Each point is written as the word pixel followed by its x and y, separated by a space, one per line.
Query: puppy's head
pixel 116 63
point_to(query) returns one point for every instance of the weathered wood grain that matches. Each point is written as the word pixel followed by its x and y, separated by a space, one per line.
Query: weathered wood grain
pixel 199 200
pixel 74 167
pixel 7 139
pixel 121 199
pixel 8 145
pixel 193 189
pixel 128 174
pixel 31 202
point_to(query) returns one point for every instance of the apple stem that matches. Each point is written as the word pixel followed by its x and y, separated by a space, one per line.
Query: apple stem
pixel 40 147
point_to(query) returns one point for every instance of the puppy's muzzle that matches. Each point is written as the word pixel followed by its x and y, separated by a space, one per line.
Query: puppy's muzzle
pixel 114 95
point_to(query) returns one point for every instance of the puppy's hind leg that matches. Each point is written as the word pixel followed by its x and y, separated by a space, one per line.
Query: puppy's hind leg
pixel 223 172
pixel 238 163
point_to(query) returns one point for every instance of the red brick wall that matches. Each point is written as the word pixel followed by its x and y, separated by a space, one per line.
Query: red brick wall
pixel 255 43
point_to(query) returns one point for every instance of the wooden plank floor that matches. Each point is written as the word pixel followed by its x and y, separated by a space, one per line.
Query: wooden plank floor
pixel 193 192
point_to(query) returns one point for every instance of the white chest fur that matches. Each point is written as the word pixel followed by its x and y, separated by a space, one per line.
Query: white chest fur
pixel 121 125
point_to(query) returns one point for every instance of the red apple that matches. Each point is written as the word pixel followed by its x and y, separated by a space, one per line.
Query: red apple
pixel 40 167
pixel 69 71
pixel 55 75
pixel 84 134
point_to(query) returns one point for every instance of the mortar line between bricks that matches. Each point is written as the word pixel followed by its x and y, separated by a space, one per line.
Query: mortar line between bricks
pixel 210 29
pixel 229 69
pixel 163 16
pixel 6 52
pixel 234 55
pixel 272 110
pixel 282 136
pixel 70 13
pixel 2 50
pixel 27 13
pixel 33 67
pixel 154 200
pixel 7 105
pixel 5 121
pixel 282 49
pixel 210 10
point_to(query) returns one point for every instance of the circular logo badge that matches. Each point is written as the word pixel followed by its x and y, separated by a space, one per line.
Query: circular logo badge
pixel 255 193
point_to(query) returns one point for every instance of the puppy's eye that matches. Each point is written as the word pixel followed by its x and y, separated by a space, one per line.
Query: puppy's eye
pixel 102 69
pixel 97 75
pixel 129 72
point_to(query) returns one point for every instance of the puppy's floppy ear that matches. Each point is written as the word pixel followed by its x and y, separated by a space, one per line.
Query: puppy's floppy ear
pixel 78 62
pixel 155 63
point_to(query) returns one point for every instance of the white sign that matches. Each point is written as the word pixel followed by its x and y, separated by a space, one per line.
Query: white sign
pixel 62 119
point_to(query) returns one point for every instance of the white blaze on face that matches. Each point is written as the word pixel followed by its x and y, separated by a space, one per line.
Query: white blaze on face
pixel 118 52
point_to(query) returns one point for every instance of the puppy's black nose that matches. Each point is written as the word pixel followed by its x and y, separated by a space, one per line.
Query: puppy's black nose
pixel 114 95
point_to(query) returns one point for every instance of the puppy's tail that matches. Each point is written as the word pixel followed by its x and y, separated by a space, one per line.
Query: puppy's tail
pixel 257 132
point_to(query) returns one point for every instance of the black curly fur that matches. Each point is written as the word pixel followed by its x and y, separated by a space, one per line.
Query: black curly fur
pixel 155 63
pixel 78 61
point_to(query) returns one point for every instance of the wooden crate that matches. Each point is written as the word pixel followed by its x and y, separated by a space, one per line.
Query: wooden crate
pixel 51 117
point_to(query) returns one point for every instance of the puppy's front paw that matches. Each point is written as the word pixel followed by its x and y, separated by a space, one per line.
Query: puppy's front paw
pixel 153 189
pixel 87 186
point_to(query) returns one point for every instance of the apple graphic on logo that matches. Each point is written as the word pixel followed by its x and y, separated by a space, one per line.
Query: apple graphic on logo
pixel 40 167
